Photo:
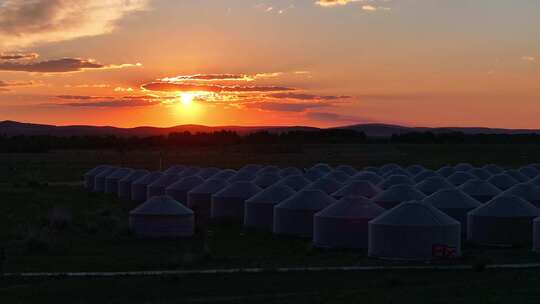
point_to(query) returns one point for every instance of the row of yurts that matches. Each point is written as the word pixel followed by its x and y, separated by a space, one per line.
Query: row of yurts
pixel 394 212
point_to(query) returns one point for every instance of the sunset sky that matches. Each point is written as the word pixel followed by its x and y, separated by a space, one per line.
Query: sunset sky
pixel 277 62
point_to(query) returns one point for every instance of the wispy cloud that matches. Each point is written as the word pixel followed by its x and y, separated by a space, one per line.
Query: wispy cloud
pixel 108 102
pixel 305 96
pixel 366 5
pixel 6 86
pixel 64 65
pixel 221 77
pixel 528 58
pixel 18 56
pixel 26 22
pixel 285 106
pixel 332 3
pixel 186 87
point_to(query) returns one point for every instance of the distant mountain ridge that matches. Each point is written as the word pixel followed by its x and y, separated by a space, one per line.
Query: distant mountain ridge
pixel 13 128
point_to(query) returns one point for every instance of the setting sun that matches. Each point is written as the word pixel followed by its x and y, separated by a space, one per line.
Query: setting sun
pixel 187 98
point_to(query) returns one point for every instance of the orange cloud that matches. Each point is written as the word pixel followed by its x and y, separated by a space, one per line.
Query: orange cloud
pixel 186 87
pixel 24 22
pixel 220 77
pixel 64 65
pixel 18 56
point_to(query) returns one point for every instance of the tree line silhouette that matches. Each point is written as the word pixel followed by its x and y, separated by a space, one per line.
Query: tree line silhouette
pixel 36 144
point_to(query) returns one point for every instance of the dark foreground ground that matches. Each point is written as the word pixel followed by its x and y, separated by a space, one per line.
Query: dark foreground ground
pixel 329 287
pixel 93 235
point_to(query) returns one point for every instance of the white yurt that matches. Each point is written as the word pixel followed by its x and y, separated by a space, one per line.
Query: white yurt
pixel 208 172
pixel 269 170
pixel 369 176
pixel 433 184
pixel 139 187
pixel 414 231
pixel 345 224
pixel 520 177
pixel 480 173
pixel 396 195
pixel 415 169
pixel 350 170
pixel 259 209
pixel 313 174
pixel 455 203
pixel 294 216
pixel 99 180
pixel 161 217
pixel 124 185
pixel 228 203
pixel 480 190
pixel 296 182
pixel 159 185
pixel 322 167
pixel 90 176
pixel 199 199
pixel 503 181
pixel 189 171
pixel 398 171
pixel 446 171
pixel 357 188
pixel 251 168
pixel 242 176
pixel 425 175
pixel 224 174
pixel 493 169
pixel 463 167
pixel 393 180
pixel 339 176
pixel 529 171
pixel 175 169
pixel 459 178
pixel 505 220
pixel 266 180
pixel 180 189
pixel 371 169
pixel 112 180
pixel 527 191
pixel 388 167
pixel 536 235
pixel 326 184
pixel 290 171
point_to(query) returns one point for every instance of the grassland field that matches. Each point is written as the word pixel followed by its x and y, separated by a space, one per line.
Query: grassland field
pixel 96 237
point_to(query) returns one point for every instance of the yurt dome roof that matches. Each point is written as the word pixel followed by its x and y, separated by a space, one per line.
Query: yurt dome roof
pixel 369 176
pixel 350 170
pixel 210 186
pixel 224 174
pixel 446 171
pixel 520 177
pixel 148 178
pixel 479 187
pixel 415 169
pixel 272 195
pixel 266 179
pixel 240 189
pixel 307 200
pixel 339 176
pixel 480 173
pixel 452 199
pixel 161 205
pixel 460 178
pixel 187 183
pixel 530 172
pixel 414 213
pixel 134 175
pixel 399 193
pixel 357 188
pixel 327 184
pixel 493 169
pixel 463 167
pixel 424 175
pixel 505 206
pixel 503 180
pixel 322 167
pixel 393 180
pixel 290 171
pixel 175 169
pixel 296 182
pixel 208 172
pixel 352 208
pixel 433 184
pixel 397 171
pixel 527 191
